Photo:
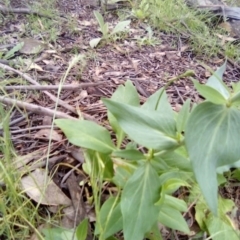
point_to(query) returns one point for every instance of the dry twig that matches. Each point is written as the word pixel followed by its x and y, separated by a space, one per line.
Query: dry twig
pixel 53 87
pixel 52 97
pixel 34 108
pixel 22 11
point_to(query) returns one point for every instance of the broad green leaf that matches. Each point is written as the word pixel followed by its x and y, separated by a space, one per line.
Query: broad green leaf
pixel 116 128
pixel 94 42
pixel 175 203
pixel 226 168
pixel 107 165
pixel 236 98
pixel 159 102
pixel 210 93
pixel 131 146
pixel 68 235
pixel 120 27
pixel 170 174
pixel 219 230
pixel 148 128
pixel 122 174
pixel 215 81
pixel 110 218
pixel 130 154
pixel 174 160
pixel 59 234
pixel 172 218
pixel 139 196
pixel 86 134
pixel 236 174
pixel 112 238
pixel 221 179
pixel 52 233
pixel 225 206
pixel 200 214
pixel 172 185
pixel 154 233
pixel 124 94
pixel 236 87
pixel 212 140
pixel 82 230
pixel 99 18
pixel 105 30
pixel 183 115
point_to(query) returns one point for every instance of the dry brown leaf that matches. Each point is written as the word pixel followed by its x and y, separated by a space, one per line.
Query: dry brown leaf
pixel 115 74
pixel 48 134
pixel 32 46
pixel 157 55
pixel 21 161
pixel 47 120
pixel 40 187
pixel 135 64
pixel 50 51
pixel 172 56
pixel 86 23
pixel 225 39
pixel 31 65
pixel 68 217
pixel 98 70
pixel 184 48
pixel 52 68
pixel 226 26
pixel 119 49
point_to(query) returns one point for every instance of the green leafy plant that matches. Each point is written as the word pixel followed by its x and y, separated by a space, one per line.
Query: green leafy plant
pixel 104 28
pixel 12 51
pixel 67 234
pixel 149 39
pixel 158 151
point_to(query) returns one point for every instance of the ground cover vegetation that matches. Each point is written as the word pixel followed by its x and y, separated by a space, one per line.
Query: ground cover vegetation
pixel 118 120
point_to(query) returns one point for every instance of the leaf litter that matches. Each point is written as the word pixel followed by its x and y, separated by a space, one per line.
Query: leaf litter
pixel 148 66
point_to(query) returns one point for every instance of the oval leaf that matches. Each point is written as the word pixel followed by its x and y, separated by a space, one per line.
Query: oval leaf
pixel 94 42
pixel 215 81
pixel 159 102
pixel 139 196
pixel 148 128
pixel 120 27
pixel 172 218
pixel 125 94
pixel 212 140
pixel 110 218
pixel 41 188
pixel 210 93
pixel 82 230
pixel 86 134
pixel 219 230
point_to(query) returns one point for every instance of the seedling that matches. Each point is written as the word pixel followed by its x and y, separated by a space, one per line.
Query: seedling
pixel 104 28
pixel 149 39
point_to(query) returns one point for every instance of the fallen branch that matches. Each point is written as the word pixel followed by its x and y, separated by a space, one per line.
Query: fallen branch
pixel 53 87
pixel 52 97
pixel 22 11
pixel 34 108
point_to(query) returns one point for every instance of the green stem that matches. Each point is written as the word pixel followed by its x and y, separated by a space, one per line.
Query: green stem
pixel 188 73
